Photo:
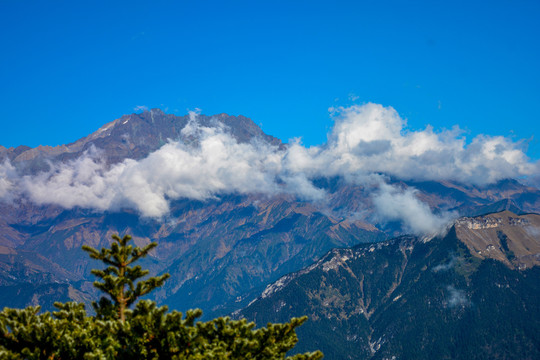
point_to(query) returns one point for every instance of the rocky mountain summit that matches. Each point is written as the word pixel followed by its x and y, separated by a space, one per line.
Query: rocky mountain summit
pixel 131 136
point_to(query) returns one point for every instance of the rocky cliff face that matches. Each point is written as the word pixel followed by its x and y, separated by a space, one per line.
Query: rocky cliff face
pixel 409 298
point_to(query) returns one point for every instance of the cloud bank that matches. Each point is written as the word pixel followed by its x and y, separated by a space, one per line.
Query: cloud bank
pixel 217 165
pixel 365 142
pixel 374 139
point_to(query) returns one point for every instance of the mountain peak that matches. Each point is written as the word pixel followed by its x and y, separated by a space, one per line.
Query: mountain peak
pixel 136 135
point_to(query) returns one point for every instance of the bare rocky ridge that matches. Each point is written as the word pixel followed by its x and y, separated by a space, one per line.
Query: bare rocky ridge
pixel 506 237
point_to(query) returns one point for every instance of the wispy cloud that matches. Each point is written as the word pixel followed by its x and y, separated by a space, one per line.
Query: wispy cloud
pixel 394 204
pixel 446 266
pixel 140 108
pixel 456 297
pixel 8 179
pixel 533 231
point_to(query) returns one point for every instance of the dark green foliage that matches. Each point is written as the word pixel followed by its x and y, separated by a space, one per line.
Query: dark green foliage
pixel 504 243
pixel 119 277
pixel 144 332
pixel 412 300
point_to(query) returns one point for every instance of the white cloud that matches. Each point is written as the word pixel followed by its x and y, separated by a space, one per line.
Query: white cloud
pixel 446 266
pixel 8 177
pixel 365 141
pixel 394 204
pixel 83 182
pixel 374 139
pixel 217 165
pixel 533 231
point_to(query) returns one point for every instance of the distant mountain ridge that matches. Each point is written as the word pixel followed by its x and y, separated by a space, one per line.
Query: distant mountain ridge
pixel 221 252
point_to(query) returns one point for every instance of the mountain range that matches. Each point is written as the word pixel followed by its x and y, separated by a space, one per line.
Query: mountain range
pixel 221 249
pixel 471 293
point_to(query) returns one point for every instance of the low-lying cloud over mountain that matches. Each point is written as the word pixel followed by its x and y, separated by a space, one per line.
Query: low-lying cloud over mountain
pixel 367 144
pixel 8 177
pixel 394 204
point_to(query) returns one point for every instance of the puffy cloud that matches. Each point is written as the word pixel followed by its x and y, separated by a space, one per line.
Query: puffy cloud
pixel 218 164
pixel 83 182
pixel 394 204
pixel 365 141
pixel 371 138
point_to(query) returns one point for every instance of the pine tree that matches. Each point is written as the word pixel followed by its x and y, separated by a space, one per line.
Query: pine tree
pixel 119 277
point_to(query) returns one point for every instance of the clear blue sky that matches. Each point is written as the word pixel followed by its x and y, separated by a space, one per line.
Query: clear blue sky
pixel 67 67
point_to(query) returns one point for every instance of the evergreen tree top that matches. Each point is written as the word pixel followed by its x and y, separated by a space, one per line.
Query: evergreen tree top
pixel 121 281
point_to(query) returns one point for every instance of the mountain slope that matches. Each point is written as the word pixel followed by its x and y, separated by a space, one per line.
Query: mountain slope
pixel 214 249
pixel 221 252
pixel 419 300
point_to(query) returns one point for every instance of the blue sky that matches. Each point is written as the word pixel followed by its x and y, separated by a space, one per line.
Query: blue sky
pixel 67 67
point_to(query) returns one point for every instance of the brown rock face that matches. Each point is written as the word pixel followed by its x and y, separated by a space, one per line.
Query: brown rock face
pixel 507 237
